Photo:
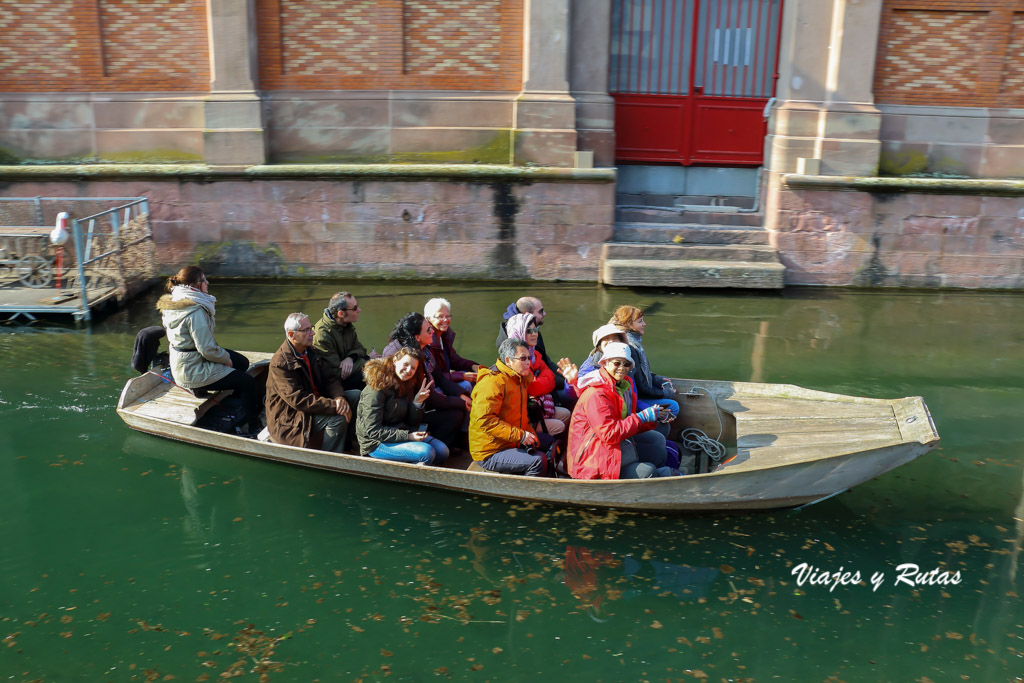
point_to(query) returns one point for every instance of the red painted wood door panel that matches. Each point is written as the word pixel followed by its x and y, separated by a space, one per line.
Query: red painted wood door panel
pixel 691 79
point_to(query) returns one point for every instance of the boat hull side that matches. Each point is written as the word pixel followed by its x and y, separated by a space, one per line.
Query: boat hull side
pixel 776 487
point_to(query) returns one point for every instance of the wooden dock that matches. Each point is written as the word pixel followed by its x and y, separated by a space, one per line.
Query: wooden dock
pixel 18 302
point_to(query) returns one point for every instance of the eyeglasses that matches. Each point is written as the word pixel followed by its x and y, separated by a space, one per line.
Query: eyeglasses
pixel 521 358
pixel 620 364
pixel 531 330
pixel 443 317
pixel 305 330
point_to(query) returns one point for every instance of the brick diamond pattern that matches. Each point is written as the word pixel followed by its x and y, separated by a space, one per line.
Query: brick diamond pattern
pixel 157 39
pixel 37 42
pixel 452 37
pixel 936 52
pixel 1013 72
pixel 329 37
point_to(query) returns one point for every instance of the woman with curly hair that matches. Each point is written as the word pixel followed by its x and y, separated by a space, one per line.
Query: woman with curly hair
pixel 391 409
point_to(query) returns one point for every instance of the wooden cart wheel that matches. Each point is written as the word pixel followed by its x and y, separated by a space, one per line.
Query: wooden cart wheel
pixel 34 271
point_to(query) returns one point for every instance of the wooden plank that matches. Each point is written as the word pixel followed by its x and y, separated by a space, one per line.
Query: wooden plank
pixel 749 408
pixel 825 441
pixel 777 456
pixel 815 425
pixel 914 420
pixel 169 402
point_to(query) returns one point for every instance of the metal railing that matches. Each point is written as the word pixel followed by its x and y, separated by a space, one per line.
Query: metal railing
pixel 111 249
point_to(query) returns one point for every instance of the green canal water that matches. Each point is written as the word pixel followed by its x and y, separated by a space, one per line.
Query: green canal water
pixel 126 557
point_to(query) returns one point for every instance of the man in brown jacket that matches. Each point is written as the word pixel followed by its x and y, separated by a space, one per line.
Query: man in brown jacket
pixel 304 404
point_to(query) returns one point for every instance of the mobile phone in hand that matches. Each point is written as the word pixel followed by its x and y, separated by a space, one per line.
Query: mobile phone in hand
pixel 423 427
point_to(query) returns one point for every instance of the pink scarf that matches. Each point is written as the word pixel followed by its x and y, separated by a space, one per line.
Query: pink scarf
pixel 516 329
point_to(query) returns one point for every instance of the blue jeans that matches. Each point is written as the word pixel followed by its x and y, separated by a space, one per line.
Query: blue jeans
pixel 429 452
pixel 642 403
pixel 514 461
pixel 465 384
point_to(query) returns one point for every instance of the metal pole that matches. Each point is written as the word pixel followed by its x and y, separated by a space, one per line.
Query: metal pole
pixel 76 230
pixel 122 284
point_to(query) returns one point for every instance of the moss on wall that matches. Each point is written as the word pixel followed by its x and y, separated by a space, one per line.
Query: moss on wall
pixel 150 156
pixel 240 259
pixel 497 150
pixel 903 162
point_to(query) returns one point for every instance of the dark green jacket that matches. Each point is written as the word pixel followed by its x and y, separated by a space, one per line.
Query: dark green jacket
pixel 383 416
pixel 336 343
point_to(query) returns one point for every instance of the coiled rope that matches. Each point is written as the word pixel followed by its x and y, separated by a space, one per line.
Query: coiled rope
pixel 697 441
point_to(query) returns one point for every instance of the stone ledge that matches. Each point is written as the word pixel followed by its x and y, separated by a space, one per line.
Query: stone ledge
pixel 456 172
pixel 889 184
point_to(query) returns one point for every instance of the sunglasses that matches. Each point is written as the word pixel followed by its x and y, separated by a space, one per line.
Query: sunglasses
pixel 620 364
pixel 531 330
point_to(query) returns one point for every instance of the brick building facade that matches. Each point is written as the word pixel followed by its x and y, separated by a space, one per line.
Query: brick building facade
pixel 430 137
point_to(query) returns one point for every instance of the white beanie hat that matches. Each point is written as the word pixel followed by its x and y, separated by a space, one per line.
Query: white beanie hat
pixel 604 331
pixel 616 350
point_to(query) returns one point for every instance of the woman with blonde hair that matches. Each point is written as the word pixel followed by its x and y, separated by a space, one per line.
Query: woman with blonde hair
pixel 188 313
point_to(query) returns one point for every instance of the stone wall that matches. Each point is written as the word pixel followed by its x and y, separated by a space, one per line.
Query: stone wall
pixel 876 232
pixel 499 227
pixel 246 82
pixel 949 84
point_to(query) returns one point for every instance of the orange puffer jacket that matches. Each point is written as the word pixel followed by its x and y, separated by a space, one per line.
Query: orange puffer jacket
pixel 498 418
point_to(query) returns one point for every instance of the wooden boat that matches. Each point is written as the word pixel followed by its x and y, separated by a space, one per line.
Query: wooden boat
pixel 793 446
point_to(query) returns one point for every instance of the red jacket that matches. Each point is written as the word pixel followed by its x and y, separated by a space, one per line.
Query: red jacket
pixel 597 428
pixel 543 379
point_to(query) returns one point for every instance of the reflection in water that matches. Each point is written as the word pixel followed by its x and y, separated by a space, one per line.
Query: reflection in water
pixel 597 577
pixel 129 557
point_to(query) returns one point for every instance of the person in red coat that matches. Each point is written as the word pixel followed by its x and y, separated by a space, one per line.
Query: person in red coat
pixel 608 439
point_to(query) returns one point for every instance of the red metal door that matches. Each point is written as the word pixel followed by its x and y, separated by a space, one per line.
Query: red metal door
pixel 691 79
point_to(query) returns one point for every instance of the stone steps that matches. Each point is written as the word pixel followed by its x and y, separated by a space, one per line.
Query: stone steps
pixel 697 273
pixel 690 233
pixel 754 253
pixel 683 216
pixel 690 249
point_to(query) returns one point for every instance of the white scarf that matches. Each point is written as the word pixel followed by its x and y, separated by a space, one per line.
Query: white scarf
pixel 186 293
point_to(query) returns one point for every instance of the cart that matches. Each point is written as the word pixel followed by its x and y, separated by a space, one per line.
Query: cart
pixel 29 257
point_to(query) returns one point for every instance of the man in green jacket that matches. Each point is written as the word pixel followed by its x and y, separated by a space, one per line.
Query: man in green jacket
pixel 334 336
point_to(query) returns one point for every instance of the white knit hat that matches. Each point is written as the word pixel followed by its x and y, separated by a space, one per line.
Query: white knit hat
pixel 605 331
pixel 616 350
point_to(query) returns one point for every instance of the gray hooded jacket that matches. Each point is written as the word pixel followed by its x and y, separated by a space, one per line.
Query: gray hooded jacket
pixel 196 359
